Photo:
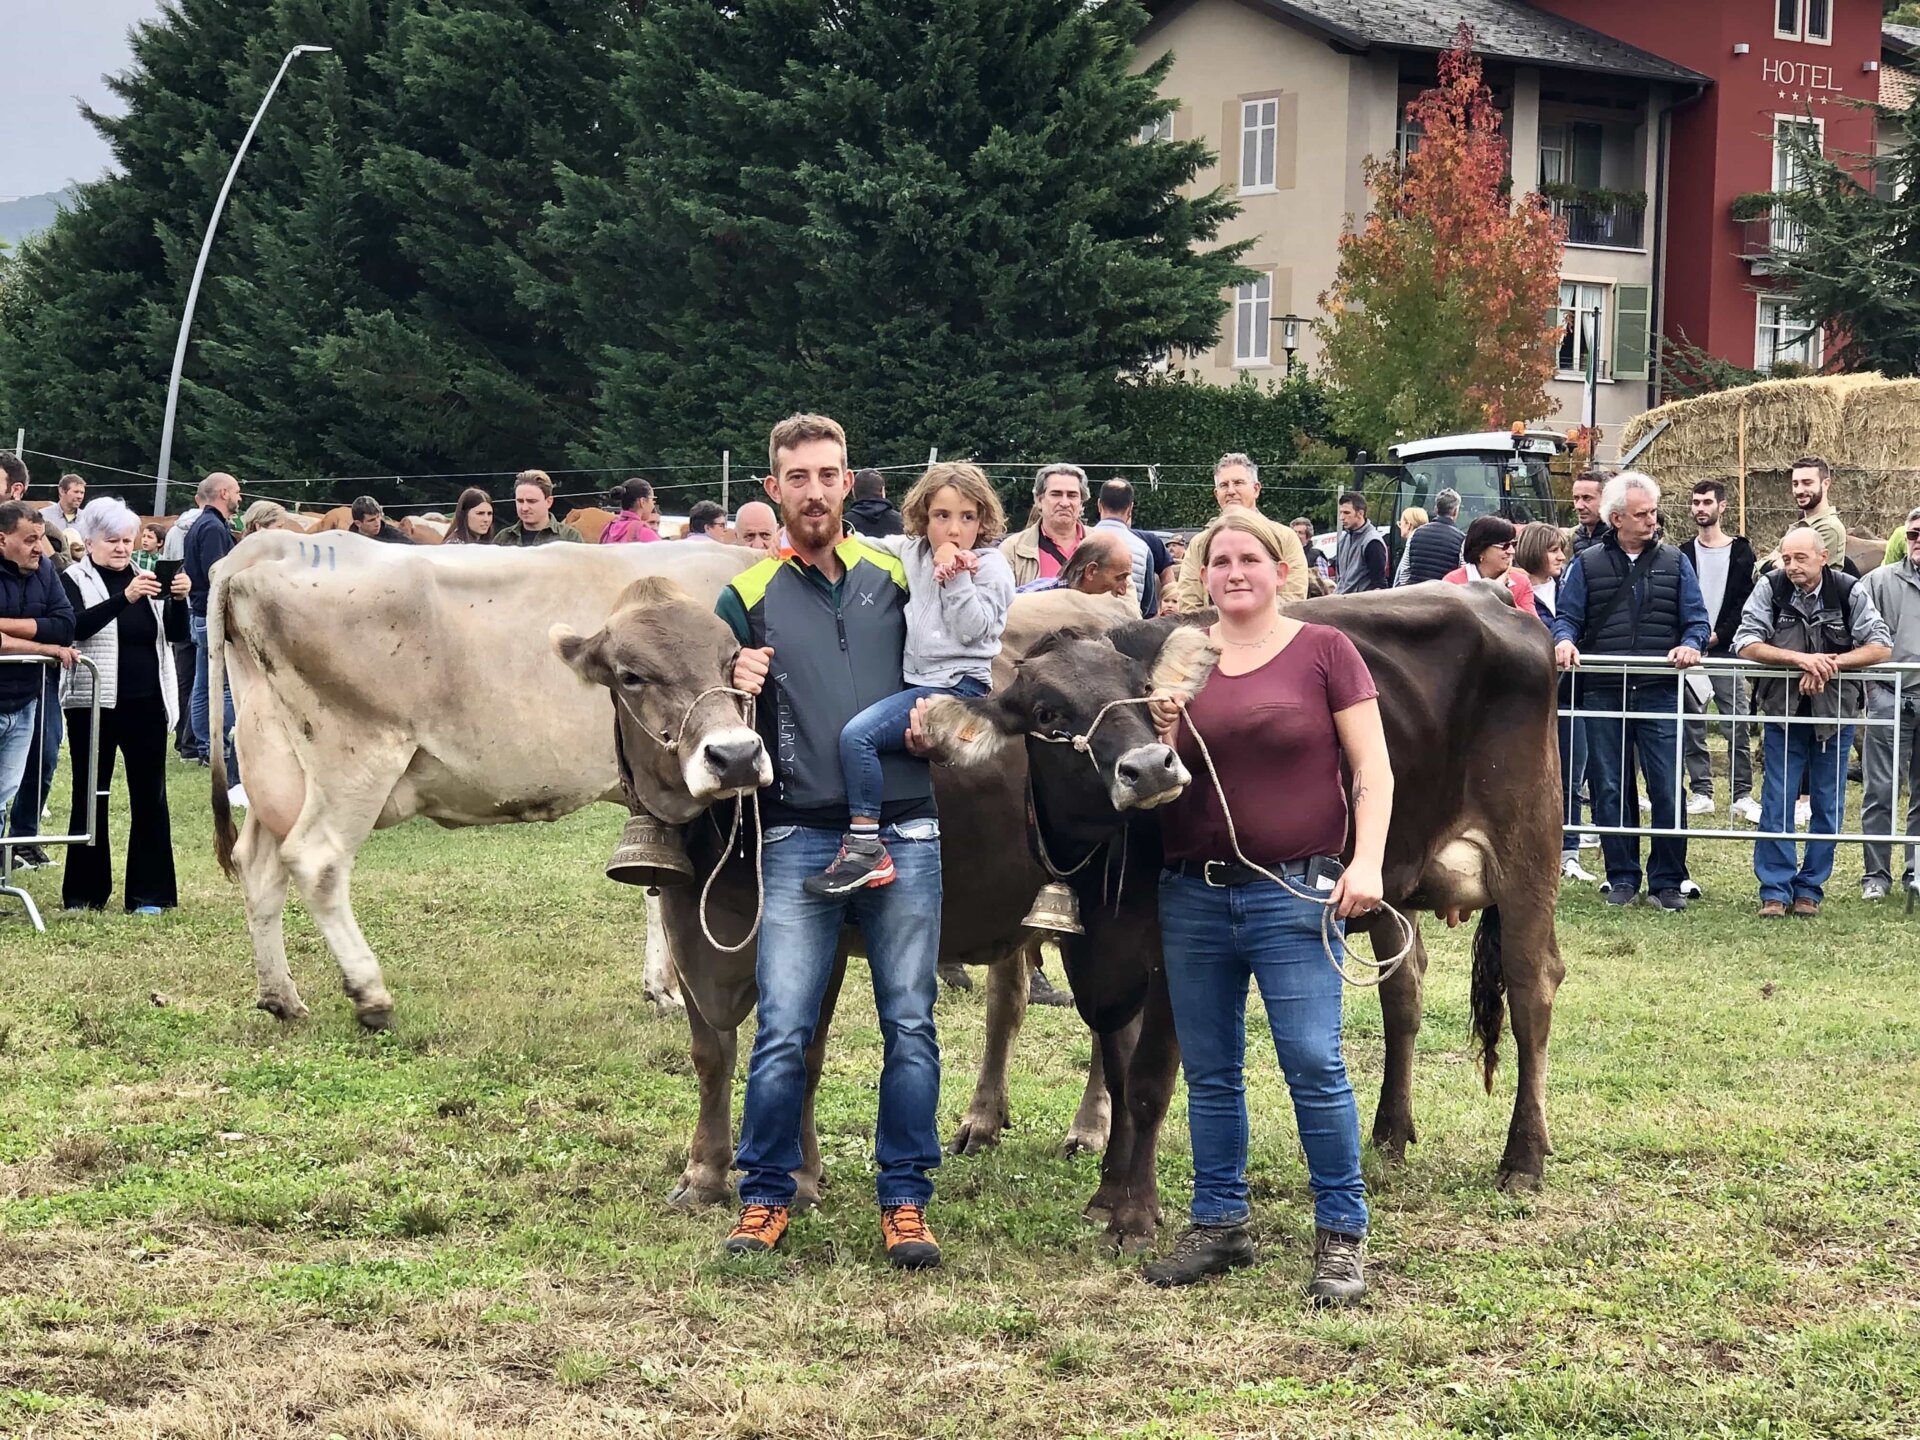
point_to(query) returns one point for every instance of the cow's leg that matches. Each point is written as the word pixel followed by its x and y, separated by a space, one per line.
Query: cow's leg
pixel 1094 1118
pixel 1115 1049
pixel 319 853
pixel 1400 1000
pixel 709 1158
pixel 661 979
pixel 263 889
pixel 811 1178
pixel 1530 961
pixel 1150 1079
pixel 1007 990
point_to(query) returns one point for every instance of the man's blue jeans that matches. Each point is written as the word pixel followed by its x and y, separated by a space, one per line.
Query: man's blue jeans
pixel 798 940
pixel 1797 756
pixel 881 729
pixel 1573 766
pixel 1652 741
pixel 17 731
pixel 1215 938
pixel 43 760
pixel 199 707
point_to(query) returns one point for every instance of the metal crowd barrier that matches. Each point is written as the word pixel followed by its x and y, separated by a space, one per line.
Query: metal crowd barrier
pixel 1898 684
pixel 86 837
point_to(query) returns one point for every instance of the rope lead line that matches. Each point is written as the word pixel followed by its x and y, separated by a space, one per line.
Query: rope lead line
pixel 1372 972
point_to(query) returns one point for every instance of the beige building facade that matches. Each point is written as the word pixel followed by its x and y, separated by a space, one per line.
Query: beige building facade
pixel 1293 100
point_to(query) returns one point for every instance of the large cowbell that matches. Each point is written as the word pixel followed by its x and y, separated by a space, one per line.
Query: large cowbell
pixel 1056 908
pixel 650 854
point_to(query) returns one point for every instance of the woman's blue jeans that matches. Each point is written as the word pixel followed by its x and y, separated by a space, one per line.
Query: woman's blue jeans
pixel 1216 938
pixel 881 729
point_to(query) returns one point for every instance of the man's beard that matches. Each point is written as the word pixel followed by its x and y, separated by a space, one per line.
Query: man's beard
pixel 812 525
pixel 1812 503
pixel 1706 522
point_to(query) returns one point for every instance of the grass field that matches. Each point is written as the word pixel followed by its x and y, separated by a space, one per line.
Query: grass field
pixel 212 1225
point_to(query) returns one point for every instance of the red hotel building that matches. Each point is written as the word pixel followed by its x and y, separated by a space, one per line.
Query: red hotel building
pixel 1774 64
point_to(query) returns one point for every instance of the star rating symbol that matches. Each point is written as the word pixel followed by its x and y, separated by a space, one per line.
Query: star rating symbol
pixel 1783 94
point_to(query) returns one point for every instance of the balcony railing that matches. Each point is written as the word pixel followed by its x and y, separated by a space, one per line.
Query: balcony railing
pixel 1615 224
pixel 1769 234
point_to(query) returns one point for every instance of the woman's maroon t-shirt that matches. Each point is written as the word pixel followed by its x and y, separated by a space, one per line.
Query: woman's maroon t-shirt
pixel 1272 738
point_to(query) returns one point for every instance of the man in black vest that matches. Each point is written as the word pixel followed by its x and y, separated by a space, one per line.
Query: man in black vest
pixel 1433 551
pixel 822 625
pixel 1820 622
pixel 1632 595
pixel 1724 566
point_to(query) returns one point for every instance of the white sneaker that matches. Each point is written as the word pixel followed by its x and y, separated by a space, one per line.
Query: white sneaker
pixel 237 797
pixel 1690 889
pixel 1571 869
pixel 1589 840
pixel 1748 809
pixel 1699 804
pixel 1802 813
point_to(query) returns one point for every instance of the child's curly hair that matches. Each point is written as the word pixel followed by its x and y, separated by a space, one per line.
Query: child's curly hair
pixel 972 483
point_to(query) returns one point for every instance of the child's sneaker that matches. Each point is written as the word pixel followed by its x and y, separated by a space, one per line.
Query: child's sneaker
pixel 860 863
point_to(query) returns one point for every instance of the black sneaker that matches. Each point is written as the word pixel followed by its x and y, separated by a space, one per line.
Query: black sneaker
pixel 860 863
pixel 1339 1268
pixel 1669 900
pixel 31 857
pixel 1618 895
pixel 1042 991
pixel 1201 1250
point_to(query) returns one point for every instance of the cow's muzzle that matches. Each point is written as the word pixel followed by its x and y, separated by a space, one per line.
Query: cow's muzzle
pixel 1147 776
pixel 727 762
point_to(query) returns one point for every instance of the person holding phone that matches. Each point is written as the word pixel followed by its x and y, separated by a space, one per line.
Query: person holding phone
pixel 120 624
pixel 1289 710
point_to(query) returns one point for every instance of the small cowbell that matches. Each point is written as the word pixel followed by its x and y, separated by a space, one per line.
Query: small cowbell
pixel 1055 908
pixel 649 853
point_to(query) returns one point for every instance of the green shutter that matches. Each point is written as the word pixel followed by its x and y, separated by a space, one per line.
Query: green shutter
pixel 1632 305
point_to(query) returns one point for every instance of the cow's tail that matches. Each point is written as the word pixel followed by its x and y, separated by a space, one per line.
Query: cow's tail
pixel 1489 998
pixel 225 834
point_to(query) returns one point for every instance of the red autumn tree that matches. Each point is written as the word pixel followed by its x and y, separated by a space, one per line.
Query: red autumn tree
pixel 1442 314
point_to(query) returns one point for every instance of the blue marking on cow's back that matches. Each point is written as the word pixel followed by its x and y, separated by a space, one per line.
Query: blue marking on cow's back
pixel 331 558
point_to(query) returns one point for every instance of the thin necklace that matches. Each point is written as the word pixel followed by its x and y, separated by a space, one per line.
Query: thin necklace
pixel 1249 644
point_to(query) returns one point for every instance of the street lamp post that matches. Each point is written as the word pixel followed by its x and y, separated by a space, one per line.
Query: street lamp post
pixel 200 269
pixel 1289 339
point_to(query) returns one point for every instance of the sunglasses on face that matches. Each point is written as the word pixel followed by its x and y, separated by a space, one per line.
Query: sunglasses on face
pixel 1913 534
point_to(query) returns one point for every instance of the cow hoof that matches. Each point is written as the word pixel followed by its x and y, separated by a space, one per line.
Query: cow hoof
pixel 666 1002
pixel 1078 1143
pixel 975 1137
pixel 375 1017
pixel 690 1194
pixel 1391 1152
pixel 281 1008
pixel 1123 1243
pixel 1519 1182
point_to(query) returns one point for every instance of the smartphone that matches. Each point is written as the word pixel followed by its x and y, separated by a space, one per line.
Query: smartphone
pixel 164 571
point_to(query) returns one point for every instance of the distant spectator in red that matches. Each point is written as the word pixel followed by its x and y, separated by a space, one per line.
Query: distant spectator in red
pixel 639 515
pixel 1488 552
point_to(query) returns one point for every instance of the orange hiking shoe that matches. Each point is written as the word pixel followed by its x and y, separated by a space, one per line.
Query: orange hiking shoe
pixel 910 1244
pixel 760 1229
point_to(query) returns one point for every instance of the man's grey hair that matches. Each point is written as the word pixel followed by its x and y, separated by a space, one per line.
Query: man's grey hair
pixel 1613 498
pixel 1047 472
pixel 1913 514
pixel 1801 527
pixel 108 518
pixel 1100 547
pixel 1447 502
pixel 1236 457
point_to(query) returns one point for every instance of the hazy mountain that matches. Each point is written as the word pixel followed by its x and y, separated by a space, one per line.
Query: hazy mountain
pixel 29 214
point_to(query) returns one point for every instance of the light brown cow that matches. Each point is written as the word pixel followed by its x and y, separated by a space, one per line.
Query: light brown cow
pixel 591 521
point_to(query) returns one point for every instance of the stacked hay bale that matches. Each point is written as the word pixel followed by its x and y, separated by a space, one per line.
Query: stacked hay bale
pixel 1866 425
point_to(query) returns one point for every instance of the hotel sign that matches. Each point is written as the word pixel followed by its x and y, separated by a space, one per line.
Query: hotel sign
pixel 1804 81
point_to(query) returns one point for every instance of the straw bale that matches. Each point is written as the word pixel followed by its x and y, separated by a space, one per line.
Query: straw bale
pixel 1883 427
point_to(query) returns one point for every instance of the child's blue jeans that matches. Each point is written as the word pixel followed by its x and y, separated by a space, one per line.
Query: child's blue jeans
pixel 881 729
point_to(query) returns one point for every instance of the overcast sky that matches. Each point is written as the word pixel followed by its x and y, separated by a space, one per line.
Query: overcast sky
pixel 56 53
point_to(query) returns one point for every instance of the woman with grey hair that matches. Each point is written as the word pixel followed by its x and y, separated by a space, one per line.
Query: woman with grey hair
pixel 121 625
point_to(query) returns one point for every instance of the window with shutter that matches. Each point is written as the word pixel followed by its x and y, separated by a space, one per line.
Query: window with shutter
pixel 1632 340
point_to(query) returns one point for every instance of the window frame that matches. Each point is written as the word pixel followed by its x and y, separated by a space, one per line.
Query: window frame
pixel 1259 322
pixel 1780 230
pixel 1261 105
pixel 1813 337
pixel 1799 19
pixel 1157 130
pixel 1806 23
pixel 1602 330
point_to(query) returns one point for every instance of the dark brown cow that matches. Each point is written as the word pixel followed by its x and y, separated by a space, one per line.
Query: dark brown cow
pixel 1467 696
pixel 657 652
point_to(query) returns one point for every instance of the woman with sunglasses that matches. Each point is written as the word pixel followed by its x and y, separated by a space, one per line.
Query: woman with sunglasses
pixel 1488 552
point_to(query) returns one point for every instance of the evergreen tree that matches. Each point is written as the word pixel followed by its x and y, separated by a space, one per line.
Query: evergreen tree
pixel 1855 266
pixel 935 222
pixel 361 310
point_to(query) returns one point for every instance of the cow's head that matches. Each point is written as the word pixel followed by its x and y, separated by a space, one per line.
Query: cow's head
pixel 667 660
pixel 1062 690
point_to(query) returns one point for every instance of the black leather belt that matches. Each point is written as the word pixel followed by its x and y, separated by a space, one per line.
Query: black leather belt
pixel 1220 873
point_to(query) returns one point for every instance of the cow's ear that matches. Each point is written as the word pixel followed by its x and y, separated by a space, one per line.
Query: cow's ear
pixel 1143 640
pixel 971 732
pixel 1186 659
pixel 584 654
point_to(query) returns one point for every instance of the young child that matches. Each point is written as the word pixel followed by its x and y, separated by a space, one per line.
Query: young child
pixel 958 591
